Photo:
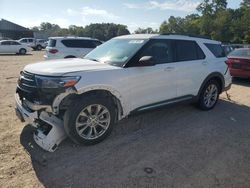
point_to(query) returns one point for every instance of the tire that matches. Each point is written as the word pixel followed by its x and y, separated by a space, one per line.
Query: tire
pixel 22 51
pixel 39 47
pixel 78 123
pixel 209 95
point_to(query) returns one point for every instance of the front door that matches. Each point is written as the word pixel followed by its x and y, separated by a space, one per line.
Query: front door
pixel 152 85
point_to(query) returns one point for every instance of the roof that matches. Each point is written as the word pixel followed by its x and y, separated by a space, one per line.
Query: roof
pixel 73 37
pixel 7 25
pixel 167 36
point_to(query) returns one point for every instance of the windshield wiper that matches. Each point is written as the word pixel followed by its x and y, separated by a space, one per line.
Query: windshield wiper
pixel 92 59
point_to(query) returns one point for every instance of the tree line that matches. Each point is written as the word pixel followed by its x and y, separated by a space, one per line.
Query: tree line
pixel 214 19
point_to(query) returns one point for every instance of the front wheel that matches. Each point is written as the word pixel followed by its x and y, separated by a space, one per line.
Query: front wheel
pixel 90 120
pixel 209 95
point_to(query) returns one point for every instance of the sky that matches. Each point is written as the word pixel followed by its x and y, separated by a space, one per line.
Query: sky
pixel 133 13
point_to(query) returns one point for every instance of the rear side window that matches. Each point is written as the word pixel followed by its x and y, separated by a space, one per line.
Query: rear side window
pixel 77 43
pixel 6 43
pixel 216 49
pixel 188 51
pixel 30 40
pixel 52 43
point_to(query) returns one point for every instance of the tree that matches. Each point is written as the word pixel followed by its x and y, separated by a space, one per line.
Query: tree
pixel 148 30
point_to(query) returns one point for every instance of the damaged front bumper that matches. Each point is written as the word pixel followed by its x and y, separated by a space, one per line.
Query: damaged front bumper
pixel 38 116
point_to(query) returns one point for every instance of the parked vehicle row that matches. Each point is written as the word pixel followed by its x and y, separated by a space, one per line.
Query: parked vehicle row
pixel 84 98
pixel 35 44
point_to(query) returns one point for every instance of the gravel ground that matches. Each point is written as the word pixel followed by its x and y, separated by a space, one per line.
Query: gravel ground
pixel 178 146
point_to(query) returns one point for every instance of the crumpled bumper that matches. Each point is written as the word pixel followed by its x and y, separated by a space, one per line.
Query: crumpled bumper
pixel 48 140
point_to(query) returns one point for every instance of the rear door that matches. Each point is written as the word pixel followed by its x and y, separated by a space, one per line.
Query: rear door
pixel 15 46
pixel 191 67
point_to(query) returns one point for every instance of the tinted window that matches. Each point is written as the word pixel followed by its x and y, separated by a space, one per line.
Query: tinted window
pixel 96 43
pixel 77 43
pixel 30 40
pixel 188 50
pixel 52 43
pixel 160 50
pixel 23 40
pixel 216 49
pixel 15 43
pixel 6 43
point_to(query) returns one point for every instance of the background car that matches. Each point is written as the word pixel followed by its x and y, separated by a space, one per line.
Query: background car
pixel 12 46
pixel 70 47
pixel 227 48
pixel 41 44
pixel 239 62
pixel 35 44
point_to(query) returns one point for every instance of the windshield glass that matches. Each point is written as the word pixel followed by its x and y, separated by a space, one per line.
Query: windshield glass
pixel 116 51
pixel 241 53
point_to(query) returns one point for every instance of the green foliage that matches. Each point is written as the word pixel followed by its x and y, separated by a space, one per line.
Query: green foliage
pixel 215 20
pixel 148 30
pixel 103 31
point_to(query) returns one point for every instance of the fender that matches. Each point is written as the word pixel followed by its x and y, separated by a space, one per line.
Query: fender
pixel 214 75
pixel 122 100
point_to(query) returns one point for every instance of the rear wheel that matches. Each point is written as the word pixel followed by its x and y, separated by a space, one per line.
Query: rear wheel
pixel 22 51
pixel 90 120
pixel 209 95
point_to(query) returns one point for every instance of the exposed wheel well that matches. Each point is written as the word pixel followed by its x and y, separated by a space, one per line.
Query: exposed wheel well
pixel 93 93
pixel 214 76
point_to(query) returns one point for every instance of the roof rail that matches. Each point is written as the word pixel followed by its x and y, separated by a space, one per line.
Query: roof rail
pixel 188 35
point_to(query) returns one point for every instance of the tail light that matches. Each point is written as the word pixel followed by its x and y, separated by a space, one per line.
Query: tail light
pixel 53 51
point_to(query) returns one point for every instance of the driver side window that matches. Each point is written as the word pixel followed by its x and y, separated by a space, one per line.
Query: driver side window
pixel 161 51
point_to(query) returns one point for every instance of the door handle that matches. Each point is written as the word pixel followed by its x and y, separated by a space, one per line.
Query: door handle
pixel 169 69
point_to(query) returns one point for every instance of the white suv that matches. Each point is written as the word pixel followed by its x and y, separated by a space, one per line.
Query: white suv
pixel 128 74
pixel 69 47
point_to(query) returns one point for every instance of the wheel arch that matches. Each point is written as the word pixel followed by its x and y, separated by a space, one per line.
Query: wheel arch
pixel 100 92
pixel 213 76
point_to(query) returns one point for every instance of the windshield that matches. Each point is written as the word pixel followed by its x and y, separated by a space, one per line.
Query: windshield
pixel 116 51
pixel 241 53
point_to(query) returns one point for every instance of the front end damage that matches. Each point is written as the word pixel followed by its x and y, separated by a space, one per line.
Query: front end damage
pixel 40 108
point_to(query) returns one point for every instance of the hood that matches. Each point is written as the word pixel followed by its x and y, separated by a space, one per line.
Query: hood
pixel 64 66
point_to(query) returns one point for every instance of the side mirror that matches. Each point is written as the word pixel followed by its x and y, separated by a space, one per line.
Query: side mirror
pixel 146 61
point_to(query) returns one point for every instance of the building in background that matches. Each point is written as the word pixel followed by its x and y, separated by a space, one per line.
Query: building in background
pixel 13 31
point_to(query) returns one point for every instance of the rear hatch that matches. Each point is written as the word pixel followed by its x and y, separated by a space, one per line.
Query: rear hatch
pixel 51 48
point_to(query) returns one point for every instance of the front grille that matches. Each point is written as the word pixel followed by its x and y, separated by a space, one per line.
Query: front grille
pixel 27 87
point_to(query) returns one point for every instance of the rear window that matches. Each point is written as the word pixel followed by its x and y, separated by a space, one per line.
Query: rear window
pixel 188 51
pixel 52 43
pixel 216 49
pixel 77 43
pixel 241 53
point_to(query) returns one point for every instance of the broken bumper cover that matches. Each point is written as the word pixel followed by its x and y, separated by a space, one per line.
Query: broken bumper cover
pixel 48 140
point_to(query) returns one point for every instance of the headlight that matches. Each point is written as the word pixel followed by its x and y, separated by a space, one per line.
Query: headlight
pixel 56 82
